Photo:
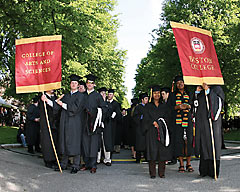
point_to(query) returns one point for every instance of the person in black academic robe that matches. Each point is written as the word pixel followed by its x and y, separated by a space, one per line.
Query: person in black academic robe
pixel 53 118
pixel 156 122
pixel 165 92
pixel 138 118
pixel 203 147
pixel 33 127
pixel 119 130
pixel 180 102
pixel 132 127
pixel 82 86
pixel 114 120
pixel 106 138
pixel 94 106
pixel 70 132
pixel 124 126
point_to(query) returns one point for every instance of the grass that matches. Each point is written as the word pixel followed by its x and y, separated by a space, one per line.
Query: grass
pixel 233 135
pixel 8 134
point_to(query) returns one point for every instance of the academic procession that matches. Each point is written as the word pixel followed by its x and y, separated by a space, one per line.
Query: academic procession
pixel 160 129
pixel 162 126
pixel 78 117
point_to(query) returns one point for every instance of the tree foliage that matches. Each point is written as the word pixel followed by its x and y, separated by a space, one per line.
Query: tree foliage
pixel 89 38
pixel 221 17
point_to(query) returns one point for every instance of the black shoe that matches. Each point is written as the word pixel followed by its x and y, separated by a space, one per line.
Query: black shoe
pixel 31 151
pixel 108 164
pixel 38 150
pixel 74 170
pixel 152 177
pixel 137 161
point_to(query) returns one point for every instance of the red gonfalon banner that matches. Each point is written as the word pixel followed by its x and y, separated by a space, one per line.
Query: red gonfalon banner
pixel 38 64
pixel 197 55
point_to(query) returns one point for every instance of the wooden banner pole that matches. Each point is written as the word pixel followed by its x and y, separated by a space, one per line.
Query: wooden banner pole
pixel 50 133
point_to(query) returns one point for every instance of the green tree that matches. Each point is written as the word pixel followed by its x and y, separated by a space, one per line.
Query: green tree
pixel 89 38
pixel 222 18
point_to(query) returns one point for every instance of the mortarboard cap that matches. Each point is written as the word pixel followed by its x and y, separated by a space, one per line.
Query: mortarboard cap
pixel 82 83
pixel 142 96
pixel 91 77
pixel 178 78
pixel 166 89
pixel 110 90
pixel 155 88
pixel 102 89
pixel 35 99
pixel 74 77
pixel 134 101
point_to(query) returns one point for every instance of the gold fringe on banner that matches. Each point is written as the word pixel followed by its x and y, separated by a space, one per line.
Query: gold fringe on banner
pixel 191 80
pixel 38 39
pixel 38 88
pixel 190 28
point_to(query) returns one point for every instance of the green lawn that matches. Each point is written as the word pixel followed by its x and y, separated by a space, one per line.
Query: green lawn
pixel 8 135
pixel 232 135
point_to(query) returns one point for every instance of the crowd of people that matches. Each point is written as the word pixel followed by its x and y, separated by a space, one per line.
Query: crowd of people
pixel 88 126
pixel 11 117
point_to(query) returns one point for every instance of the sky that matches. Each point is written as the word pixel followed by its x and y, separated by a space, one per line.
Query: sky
pixel 137 20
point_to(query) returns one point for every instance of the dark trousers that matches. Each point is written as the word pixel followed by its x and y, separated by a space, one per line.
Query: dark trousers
pixel 161 168
pixel 76 161
pixel 37 148
pixel 90 162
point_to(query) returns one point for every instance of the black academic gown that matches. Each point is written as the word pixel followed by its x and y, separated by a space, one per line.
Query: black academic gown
pixel 70 132
pixel 116 128
pixel 108 129
pixel 155 150
pixel 132 127
pixel 124 127
pixel 33 127
pixel 140 137
pixel 178 131
pixel 91 139
pixel 203 134
pixel 46 144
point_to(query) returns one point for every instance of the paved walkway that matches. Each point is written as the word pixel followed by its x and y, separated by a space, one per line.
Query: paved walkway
pixel 22 172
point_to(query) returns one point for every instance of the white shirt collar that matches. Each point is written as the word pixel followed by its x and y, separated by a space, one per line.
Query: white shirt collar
pixel 49 95
pixel 74 91
pixel 88 92
pixel 110 101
